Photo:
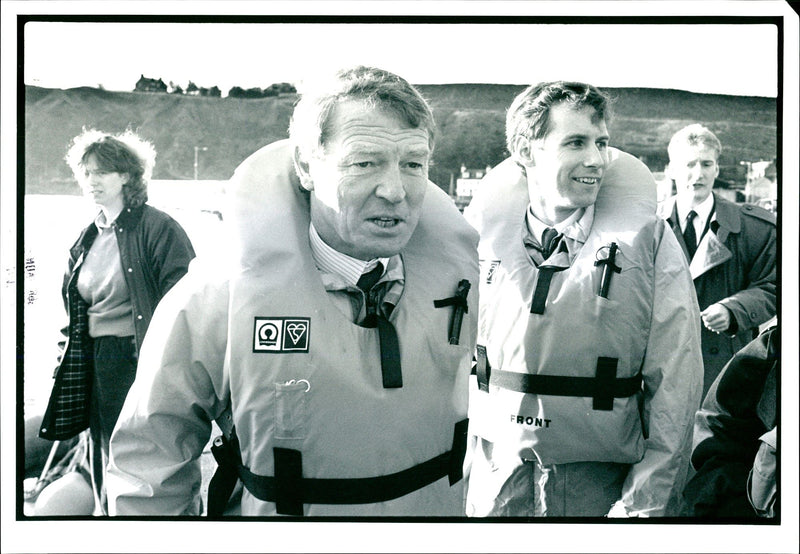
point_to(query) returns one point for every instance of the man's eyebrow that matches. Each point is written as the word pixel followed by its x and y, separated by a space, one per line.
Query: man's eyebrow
pixel 584 137
pixel 418 152
pixel 357 150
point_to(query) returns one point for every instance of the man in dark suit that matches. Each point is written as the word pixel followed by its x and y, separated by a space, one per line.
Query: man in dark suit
pixel 731 249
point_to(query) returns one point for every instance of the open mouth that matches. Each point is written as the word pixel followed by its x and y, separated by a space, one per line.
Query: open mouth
pixel 385 222
pixel 591 181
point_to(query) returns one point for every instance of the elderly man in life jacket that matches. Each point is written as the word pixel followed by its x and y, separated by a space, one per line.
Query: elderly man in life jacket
pixel 588 359
pixel 338 347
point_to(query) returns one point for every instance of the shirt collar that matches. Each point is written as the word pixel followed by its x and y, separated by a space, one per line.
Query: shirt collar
pixel 101 222
pixel 703 209
pixel 576 226
pixel 332 261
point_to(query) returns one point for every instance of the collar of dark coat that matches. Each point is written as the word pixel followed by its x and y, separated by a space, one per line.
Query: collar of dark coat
pixel 129 216
pixel 729 219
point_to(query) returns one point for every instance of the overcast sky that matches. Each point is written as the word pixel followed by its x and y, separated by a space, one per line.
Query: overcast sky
pixel 708 58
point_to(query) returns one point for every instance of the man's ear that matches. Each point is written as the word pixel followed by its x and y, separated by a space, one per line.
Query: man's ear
pixel 302 169
pixel 523 151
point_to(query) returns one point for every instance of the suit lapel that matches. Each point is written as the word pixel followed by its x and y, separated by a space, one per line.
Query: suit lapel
pixel 674 222
pixel 711 252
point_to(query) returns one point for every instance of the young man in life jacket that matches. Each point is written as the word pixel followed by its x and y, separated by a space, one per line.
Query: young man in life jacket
pixel 588 360
pixel 347 398
pixel 731 249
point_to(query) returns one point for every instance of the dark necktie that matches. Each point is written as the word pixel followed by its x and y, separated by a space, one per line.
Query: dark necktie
pixel 689 236
pixel 387 335
pixel 549 242
pixel 368 279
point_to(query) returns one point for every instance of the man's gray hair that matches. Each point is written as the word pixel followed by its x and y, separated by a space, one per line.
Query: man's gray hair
pixel 309 128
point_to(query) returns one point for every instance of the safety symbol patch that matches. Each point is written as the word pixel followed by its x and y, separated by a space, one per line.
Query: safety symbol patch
pixel 281 334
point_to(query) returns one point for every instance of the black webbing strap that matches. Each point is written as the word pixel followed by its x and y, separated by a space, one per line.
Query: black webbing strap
pixel 542 288
pixel 391 371
pixel 605 382
pixel 460 307
pixel 390 354
pixel 288 481
pixel 482 368
pixel 604 387
pixel 290 490
pixel 220 488
pixel 457 452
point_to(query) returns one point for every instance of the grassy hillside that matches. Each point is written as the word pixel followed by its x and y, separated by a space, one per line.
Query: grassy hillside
pixel 470 119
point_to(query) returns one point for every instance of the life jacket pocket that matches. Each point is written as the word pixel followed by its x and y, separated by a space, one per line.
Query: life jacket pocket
pixel 291 409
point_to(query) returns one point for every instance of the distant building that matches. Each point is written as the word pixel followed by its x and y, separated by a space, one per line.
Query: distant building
pixel 762 182
pixel 468 180
pixel 150 85
pixel 463 187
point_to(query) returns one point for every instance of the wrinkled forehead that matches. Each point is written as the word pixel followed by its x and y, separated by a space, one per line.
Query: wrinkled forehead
pixel 358 125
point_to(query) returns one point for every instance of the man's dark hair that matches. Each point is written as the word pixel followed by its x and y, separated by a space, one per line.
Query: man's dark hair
pixel 529 113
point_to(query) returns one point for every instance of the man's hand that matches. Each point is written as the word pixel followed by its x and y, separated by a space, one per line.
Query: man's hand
pixel 716 318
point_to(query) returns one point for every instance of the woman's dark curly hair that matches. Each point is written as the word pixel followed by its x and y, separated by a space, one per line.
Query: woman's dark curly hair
pixel 125 153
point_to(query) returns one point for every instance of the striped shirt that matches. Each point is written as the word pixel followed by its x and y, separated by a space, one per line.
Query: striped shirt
pixel 340 273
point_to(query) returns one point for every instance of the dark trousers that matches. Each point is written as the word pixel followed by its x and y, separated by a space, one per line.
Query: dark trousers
pixel 115 361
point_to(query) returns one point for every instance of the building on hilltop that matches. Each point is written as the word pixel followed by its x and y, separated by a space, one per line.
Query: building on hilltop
pixel 145 84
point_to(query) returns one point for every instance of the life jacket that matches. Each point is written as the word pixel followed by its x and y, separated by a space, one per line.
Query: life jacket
pixel 318 432
pixel 563 384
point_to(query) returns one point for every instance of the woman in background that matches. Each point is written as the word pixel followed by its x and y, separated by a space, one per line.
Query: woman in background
pixel 120 267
